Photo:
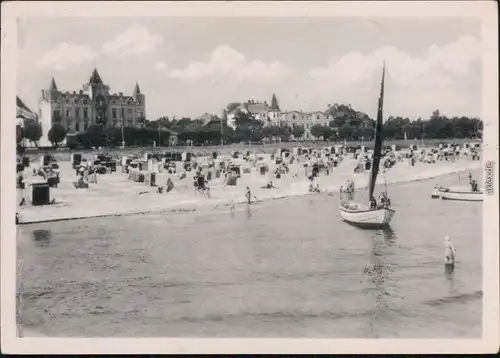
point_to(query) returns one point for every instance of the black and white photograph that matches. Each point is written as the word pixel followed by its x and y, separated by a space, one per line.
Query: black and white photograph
pixel 249 173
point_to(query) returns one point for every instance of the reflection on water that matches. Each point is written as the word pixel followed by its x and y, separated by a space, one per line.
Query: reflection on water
pixel 249 212
pixel 380 275
pixel 42 237
pixel 448 271
pixel 388 234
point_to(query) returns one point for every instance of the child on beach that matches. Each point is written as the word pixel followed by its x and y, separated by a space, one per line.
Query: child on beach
pixel 268 186
pixel 170 185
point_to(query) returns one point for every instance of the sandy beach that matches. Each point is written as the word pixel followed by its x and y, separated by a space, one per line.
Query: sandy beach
pixel 115 195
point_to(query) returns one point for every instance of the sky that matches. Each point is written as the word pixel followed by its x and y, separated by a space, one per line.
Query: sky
pixel 190 66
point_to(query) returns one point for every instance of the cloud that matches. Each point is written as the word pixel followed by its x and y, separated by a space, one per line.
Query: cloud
pixel 226 62
pixel 416 84
pixel 160 66
pixel 65 55
pixel 135 40
pixel 436 64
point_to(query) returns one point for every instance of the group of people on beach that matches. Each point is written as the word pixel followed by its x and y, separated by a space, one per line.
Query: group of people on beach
pixel 349 189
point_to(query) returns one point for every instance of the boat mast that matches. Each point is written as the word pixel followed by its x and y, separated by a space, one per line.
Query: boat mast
pixel 377 150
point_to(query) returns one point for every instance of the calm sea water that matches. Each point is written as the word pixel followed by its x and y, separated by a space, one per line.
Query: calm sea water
pixel 287 268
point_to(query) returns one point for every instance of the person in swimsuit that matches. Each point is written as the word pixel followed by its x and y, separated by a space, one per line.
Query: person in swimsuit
pixel 450 252
pixel 249 195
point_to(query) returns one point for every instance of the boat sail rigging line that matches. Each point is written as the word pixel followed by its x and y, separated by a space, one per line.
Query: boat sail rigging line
pixel 371 216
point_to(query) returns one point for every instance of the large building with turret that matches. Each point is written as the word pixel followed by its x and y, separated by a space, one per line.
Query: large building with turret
pixel 92 104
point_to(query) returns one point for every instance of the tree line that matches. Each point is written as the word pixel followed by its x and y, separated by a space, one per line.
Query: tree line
pixel 346 124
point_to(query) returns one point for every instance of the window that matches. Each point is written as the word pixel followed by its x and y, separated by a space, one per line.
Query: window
pixel 130 123
pixel 77 112
pixel 84 101
pixel 67 100
pixel 113 101
pixel 293 116
pixel 115 123
pixel 85 113
pixel 76 101
pixel 68 112
pixel 113 113
pixel 85 126
pixel 68 125
pixel 130 111
pixel 317 117
pixel 77 127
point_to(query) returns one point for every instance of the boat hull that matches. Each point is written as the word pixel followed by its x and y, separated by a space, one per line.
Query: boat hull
pixel 435 193
pixel 460 195
pixel 361 216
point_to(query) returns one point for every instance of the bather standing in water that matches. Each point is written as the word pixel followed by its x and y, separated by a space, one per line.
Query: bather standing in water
pixel 248 195
pixel 474 186
pixel 450 252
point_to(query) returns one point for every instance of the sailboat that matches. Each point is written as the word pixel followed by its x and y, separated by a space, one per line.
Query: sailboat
pixel 370 215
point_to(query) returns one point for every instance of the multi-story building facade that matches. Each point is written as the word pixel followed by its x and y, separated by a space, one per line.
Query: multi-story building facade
pixel 271 115
pixel 92 104
pixel 204 119
pixel 258 110
pixel 268 114
pixel 304 119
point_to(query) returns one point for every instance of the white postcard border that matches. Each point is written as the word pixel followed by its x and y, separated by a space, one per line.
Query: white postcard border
pixel 485 10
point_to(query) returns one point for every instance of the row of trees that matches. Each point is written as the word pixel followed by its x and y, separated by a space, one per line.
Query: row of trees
pixel 32 131
pixel 97 136
pixel 346 125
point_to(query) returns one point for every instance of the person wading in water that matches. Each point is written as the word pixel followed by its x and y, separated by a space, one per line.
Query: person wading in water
pixel 249 195
pixel 450 252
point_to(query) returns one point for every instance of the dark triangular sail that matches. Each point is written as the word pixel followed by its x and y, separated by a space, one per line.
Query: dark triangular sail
pixel 377 150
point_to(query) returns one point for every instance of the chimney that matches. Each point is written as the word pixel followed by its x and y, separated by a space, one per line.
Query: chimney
pixel 121 94
pixel 80 92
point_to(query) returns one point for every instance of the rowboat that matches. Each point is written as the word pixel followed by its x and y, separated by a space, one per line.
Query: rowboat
pixel 435 194
pixel 371 216
pixel 460 194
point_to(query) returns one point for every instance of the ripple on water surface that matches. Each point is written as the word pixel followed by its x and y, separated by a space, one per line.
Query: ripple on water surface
pixel 277 269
